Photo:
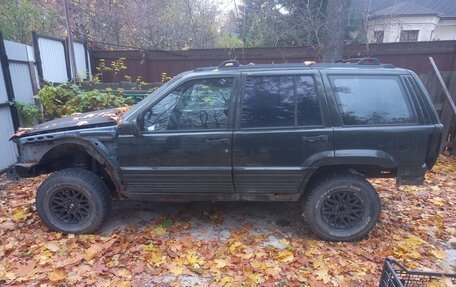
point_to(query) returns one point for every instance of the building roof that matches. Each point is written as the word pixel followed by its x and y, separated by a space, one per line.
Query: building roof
pixel 405 9
pixel 375 8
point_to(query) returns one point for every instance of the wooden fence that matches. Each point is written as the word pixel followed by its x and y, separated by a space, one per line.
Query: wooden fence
pixel 442 105
pixel 150 64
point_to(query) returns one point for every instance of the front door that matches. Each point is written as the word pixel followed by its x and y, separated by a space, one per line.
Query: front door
pixel 185 142
pixel 282 131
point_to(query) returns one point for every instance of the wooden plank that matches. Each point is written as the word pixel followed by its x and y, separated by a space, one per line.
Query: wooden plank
pixel 444 86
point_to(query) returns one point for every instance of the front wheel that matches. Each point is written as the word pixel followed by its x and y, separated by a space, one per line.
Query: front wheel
pixel 342 207
pixel 73 201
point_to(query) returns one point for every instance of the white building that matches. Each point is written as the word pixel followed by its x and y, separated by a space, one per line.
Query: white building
pixel 408 21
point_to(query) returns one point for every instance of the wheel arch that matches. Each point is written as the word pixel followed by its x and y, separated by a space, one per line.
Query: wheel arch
pixel 87 154
pixel 367 163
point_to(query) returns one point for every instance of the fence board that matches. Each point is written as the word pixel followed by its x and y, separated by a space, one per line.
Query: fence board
pixel 22 83
pixel 81 64
pixel 8 150
pixel 53 60
pixel 150 64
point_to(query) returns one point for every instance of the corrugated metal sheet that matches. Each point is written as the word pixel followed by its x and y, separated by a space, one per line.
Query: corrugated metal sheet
pixel 31 54
pixel 17 51
pixel 52 55
pixel 8 150
pixel 22 83
pixel 79 54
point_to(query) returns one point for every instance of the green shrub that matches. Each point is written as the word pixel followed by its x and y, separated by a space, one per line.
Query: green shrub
pixel 29 113
pixel 93 100
pixel 53 98
pixel 66 99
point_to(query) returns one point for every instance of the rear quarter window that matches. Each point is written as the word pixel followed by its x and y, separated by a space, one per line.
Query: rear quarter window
pixel 371 100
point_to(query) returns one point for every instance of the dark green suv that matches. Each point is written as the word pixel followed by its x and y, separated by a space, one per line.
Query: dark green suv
pixel 287 132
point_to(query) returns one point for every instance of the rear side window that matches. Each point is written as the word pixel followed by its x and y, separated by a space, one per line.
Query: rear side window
pixel 371 100
pixel 280 101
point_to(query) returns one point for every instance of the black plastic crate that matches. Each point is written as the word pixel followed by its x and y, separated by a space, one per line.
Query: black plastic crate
pixel 395 274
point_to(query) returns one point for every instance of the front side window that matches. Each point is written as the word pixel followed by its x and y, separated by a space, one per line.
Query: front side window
pixel 194 105
pixel 371 100
pixel 280 101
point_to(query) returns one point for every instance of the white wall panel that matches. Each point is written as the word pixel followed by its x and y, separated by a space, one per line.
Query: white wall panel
pixel 16 51
pixel 79 54
pixel 22 83
pixel 8 149
pixel 53 62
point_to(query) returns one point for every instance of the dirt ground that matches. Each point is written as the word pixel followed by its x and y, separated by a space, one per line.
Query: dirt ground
pixel 227 244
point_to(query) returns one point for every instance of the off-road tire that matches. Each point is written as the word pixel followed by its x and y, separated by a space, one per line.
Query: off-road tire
pixel 316 202
pixel 90 189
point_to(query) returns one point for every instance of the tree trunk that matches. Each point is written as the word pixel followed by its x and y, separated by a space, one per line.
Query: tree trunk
pixel 337 18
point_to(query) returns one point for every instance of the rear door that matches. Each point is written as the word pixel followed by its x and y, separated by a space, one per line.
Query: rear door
pixel 282 127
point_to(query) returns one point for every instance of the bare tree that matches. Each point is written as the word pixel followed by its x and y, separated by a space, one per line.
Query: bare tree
pixel 337 19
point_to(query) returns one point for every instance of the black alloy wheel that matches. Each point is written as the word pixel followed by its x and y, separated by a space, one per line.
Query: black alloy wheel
pixel 73 201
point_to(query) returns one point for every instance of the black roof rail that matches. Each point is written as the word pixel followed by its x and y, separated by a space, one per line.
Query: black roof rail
pixel 229 63
pixel 360 61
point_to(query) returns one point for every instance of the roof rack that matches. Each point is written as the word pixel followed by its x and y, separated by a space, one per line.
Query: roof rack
pixel 229 64
pixel 360 61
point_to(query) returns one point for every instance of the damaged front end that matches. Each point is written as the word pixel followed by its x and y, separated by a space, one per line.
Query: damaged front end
pixel 85 141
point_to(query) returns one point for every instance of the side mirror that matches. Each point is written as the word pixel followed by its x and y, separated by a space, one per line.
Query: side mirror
pixel 134 128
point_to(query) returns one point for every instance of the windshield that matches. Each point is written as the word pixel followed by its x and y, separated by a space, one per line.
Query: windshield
pixel 153 96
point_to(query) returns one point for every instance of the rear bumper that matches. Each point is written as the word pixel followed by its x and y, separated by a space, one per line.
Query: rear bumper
pixel 411 175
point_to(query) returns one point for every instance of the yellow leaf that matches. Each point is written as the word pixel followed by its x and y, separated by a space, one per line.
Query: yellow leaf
pixel 286 256
pixel 177 270
pixel 124 284
pixel 259 265
pixel 157 259
pixel 91 252
pixel 434 283
pixel 226 281
pixel 247 256
pixel 124 273
pixel 10 275
pixel 440 254
pixel 254 278
pixel 413 240
pixel 57 275
pixel 437 201
pixel 220 263
pixel 20 215
pixel 192 258
pixel 151 247
pixel 159 230
pixel 234 246
pixel 322 274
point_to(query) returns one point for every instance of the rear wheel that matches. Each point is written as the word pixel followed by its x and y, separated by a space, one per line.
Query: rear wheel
pixel 73 201
pixel 342 207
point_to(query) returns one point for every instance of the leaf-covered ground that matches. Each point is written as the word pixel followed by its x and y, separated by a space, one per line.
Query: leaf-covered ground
pixel 225 244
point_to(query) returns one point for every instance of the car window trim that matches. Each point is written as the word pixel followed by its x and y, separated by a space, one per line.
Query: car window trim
pixel 401 86
pixel 230 107
pixel 318 90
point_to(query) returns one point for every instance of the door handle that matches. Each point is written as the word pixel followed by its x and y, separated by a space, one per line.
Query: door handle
pixel 320 138
pixel 216 141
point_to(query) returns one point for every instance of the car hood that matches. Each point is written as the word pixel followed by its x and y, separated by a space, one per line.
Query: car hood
pixel 76 121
